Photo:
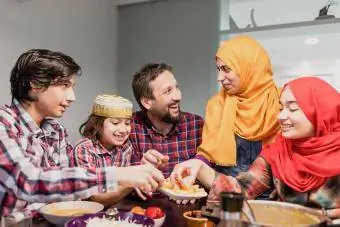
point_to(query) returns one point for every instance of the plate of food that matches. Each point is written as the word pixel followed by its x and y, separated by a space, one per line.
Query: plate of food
pixel 184 192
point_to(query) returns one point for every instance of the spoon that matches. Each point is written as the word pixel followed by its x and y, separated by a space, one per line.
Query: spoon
pixel 248 212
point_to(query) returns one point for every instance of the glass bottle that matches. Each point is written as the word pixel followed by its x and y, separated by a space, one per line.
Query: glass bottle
pixel 231 210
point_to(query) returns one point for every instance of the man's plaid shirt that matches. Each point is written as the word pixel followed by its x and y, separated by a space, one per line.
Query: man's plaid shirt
pixel 179 144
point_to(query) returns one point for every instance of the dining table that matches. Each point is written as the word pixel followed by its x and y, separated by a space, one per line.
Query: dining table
pixel 174 212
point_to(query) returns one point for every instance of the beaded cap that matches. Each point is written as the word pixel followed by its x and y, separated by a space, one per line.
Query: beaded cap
pixel 112 106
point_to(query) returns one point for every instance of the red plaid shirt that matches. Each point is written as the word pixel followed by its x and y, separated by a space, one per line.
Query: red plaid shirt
pixel 30 159
pixel 179 144
pixel 92 154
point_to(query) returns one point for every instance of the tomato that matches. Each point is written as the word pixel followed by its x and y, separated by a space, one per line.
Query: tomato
pixel 154 212
pixel 138 210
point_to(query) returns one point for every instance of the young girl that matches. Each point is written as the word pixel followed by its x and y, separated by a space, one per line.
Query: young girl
pixel 105 140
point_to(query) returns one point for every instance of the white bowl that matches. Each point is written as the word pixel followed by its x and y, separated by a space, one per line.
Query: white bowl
pixel 159 221
pixel 70 210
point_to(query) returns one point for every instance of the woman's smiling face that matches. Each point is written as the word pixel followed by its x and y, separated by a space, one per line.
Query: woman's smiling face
pixel 293 121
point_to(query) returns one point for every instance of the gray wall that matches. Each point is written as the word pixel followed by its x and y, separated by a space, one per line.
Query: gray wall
pixel 182 33
pixel 83 29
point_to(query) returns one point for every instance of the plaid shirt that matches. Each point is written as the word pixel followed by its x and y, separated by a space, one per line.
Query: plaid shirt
pixel 30 159
pixel 258 180
pixel 179 144
pixel 92 154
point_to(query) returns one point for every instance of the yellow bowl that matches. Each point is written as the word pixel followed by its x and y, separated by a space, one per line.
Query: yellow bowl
pixel 196 222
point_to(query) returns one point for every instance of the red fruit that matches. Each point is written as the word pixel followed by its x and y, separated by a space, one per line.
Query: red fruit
pixel 154 212
pixel 160 213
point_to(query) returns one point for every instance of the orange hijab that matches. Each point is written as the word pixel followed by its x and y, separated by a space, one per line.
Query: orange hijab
pixel 251 113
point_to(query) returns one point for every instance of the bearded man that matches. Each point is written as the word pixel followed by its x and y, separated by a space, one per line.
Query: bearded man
pixel 161 133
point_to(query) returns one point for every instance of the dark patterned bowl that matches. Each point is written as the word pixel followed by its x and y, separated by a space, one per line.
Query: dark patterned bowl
pixel 138 219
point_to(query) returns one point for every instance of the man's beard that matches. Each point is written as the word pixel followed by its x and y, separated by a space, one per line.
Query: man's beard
pixel 167 118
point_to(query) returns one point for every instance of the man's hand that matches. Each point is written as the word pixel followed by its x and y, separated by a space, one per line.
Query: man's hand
pixel 155 158
pixel 141 194
pixel 145 177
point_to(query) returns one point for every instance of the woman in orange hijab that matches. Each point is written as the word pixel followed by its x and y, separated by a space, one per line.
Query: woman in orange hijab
pixel 242 116
pixel 303 162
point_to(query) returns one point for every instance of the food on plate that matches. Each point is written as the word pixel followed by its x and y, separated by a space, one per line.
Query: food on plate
pixel 69 212
pixel 182 192
pixel 154 212
pixel 167 184
pixel 181 189
pixel 138 210
pixel 105 222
